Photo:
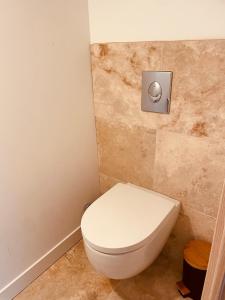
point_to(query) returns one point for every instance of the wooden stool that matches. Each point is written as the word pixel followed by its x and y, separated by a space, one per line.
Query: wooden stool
pixel 196 258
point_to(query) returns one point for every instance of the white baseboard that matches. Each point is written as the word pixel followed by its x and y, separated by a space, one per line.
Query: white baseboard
pixel 39 266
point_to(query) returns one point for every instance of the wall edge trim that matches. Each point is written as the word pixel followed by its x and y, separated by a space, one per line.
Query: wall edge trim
pixel 40 265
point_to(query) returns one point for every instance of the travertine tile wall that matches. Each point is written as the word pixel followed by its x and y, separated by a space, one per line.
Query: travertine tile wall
pixel 181 154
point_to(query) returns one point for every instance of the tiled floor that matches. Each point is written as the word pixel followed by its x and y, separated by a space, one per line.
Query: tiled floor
pixel 73 278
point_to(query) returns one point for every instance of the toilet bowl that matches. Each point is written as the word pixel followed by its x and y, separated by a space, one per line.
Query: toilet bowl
pixel 126 228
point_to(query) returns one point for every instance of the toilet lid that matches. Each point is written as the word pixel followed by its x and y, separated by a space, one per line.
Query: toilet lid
pixel 124 218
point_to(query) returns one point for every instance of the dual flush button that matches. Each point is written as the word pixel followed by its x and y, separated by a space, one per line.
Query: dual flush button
pixel 156 91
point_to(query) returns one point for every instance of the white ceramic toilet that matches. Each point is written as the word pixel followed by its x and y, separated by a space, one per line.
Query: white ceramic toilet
pixel 125 229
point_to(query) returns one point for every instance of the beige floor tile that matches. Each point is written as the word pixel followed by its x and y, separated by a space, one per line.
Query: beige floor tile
pixel 73 278
pixel 70 278
pixel 158 282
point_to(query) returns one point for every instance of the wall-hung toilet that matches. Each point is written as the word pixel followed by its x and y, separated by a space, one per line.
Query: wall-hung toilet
pixel 126 228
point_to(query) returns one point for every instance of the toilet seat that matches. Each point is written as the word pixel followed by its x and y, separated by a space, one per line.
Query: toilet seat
pixel 124 218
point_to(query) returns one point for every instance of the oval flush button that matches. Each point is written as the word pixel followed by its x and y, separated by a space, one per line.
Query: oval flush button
pixel 155 91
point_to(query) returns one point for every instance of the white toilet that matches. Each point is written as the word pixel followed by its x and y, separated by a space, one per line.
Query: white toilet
pixel 125 229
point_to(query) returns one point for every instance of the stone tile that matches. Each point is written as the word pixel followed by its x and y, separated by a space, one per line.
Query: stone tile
pixel 157 282
pixel 73 278
pixel 107 182
pixel 190 169
pixel 198 106
pixel 126 153
pixel 70 278
pixel 117 70
pixel 126 60
pixel 198 84
pixel 191 224
pixel 199 225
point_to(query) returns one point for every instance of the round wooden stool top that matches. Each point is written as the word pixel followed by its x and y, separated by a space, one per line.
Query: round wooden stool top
pixel 196 254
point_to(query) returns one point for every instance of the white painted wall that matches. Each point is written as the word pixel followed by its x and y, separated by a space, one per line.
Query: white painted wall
pixel 48 160
pixel 147 20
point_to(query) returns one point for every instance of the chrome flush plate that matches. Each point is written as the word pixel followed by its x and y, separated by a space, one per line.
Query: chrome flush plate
pixel 156 91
